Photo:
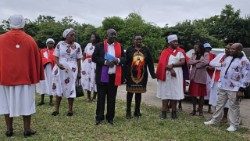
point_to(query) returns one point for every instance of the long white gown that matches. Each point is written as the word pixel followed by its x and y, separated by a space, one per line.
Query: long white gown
pixel 172 88
pixel 88 69
pixel 64 81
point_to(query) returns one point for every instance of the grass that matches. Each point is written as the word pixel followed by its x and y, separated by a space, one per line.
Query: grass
pixel 149 127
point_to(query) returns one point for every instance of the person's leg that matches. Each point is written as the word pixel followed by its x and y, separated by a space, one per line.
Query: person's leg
pixel 51 100
pixel 129 101
pixel 94 96
pixel 224 118
pixel 164 109
pixel 102 90
pixel 137 112
pixel 201 103
pixel 9 125
pixel 58 101
pixel 209 109
pixel 234 109
pixel 42 100
pixel 194 102
pixel 173 107
pixel 111 100
pixel 89 96
pixel 26 125
pixel 217 115
pixel 70 106
pixel 180 105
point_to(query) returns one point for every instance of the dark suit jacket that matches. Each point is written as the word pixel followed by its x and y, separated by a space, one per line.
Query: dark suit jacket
pixel 98 58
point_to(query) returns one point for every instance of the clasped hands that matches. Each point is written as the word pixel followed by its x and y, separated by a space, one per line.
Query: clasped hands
pixel 170 68
pixel 112 63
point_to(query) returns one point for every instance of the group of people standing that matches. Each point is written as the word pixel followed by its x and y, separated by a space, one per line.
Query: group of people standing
pixel 103 66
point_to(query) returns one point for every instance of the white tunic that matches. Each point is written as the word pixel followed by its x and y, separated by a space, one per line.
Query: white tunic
pixel 45 86
pixel 88 70
pixel 17 100
pixel 63 81
pixel 172 88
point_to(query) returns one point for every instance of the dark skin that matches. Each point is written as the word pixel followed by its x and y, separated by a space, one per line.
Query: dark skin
pixel 50 45
pixel 70 39
pixel 236 51
pixel 111 37
pixel 174 44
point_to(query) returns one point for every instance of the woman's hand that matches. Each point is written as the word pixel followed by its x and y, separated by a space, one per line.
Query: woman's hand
pixel 173 73
pixel 61 66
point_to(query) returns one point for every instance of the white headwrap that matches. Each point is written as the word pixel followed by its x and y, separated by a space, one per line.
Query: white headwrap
pixel 67 31
pixel 207 45
pixel 172 38
pixel 16 21
pixel 50 40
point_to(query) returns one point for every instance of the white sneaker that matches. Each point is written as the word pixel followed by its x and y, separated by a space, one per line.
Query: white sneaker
pixel 231 128
pixel 210 122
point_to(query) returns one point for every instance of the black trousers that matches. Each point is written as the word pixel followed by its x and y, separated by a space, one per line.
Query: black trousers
pixel 137 102
pixel 106 90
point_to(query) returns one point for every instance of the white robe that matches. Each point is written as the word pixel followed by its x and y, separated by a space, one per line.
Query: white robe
pixel 45 86
pixel 64 81
pixel 17 100
pixel 172 88
pixel 88 70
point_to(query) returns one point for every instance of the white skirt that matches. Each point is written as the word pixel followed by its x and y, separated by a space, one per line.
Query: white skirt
pixel 172 88
pixel 17 100
pixel 45 86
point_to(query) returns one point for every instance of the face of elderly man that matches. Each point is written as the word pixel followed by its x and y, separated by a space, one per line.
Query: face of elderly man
pixel 111 35
pixel 236 49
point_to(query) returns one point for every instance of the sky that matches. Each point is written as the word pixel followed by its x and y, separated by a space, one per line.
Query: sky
pixel 159 12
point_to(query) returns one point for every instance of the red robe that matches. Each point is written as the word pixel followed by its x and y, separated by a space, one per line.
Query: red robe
pixel 51 57
pixel 20 60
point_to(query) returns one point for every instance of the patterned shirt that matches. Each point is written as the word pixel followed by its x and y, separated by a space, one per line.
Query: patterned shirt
pixel 235 73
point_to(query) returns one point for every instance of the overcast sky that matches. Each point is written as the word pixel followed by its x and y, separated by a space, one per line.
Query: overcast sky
pixel 160 12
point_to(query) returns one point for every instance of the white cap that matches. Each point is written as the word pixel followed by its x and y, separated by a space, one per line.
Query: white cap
pixel 207 45
pixel 16 21
pixel 67 31
pixel 50 40
pixel 172 38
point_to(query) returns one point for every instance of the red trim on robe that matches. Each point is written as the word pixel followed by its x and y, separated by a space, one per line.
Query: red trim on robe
pixel 118 53
pixel 20 65
pixel 163 60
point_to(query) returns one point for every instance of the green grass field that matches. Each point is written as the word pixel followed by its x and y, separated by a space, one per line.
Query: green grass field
pixel 149 127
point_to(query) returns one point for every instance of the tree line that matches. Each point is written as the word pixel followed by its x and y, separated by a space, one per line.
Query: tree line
pixel 218 30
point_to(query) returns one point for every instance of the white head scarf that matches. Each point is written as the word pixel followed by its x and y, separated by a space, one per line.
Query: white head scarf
pixel 172 38
pixel 67 31
pixel 50 40
pixel 207 45
pixel 16 21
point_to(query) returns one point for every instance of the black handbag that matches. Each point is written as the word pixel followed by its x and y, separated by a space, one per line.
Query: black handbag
pixel 79 90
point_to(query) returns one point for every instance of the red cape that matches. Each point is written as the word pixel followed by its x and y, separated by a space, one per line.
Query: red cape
pixel 163 60
pixel 19 65
pixel 51 57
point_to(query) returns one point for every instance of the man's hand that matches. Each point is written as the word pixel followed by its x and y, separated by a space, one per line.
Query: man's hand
pixel 109 63
pixel 239 95
pixel 169 67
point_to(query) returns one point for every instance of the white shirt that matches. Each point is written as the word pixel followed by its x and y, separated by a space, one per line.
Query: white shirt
pixel 111 51
pixel 237 75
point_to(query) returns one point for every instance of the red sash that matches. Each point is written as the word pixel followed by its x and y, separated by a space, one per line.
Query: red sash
pixel 51 57
pixel 118 53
